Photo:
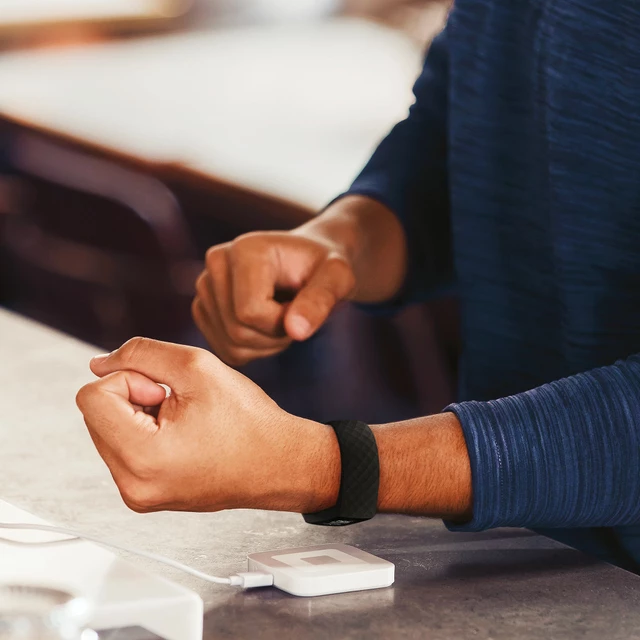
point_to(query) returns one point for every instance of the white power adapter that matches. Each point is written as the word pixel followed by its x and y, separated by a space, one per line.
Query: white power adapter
pixel 322 570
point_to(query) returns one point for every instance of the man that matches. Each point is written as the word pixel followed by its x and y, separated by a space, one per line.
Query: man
pixel 516 179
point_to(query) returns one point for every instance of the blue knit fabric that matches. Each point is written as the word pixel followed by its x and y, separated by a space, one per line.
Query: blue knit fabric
pixel 517 178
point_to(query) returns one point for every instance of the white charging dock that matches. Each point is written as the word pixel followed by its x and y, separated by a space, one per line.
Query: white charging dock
pixel 124 595
pixel 325 569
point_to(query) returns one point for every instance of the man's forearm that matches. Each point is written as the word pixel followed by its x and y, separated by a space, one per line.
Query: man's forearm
pixel 424 469
pixel 373 240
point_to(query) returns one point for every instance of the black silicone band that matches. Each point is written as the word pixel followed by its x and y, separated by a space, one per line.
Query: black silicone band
pixel 359 480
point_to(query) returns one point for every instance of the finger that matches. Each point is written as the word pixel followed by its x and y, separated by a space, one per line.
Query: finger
pixel 140 391
pixel 209 323
pixel 237 332
pixel 163 362
pixel 238 357
pixel 206 313
pixel 106 453
pixel 331 283
pixel 108 407
pixel 205 291
pixel 253 277
pixel 232 355
pixel 134 494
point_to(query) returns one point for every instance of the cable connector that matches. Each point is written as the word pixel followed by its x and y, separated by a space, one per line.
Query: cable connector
pixel 251 579
pixel 246 579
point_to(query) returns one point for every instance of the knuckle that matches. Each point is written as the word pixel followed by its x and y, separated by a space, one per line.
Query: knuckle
pixel 247 242
pixel 134 349
pixel 195 311
pixel 141 468
pixel 250 249
pixel 84 395
pixel 134 507
pixel 214 258
pixel 139 497
pixel 233 356
pixel 235 360
pixel 323 300
pixel 338 283
pixel 237 334
pixel 201 285
pixel 199 315
pixel 198 359
pixel 349 280
pixel 87 395
pixel 327 296
pixel 249 312
pixel 341 269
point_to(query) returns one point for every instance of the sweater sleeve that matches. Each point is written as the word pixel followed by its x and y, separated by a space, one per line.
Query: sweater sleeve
pixel 566 454
pixel 408 174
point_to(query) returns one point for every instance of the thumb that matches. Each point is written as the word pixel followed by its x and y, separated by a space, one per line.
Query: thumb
pixel 332 282
pixel 177 366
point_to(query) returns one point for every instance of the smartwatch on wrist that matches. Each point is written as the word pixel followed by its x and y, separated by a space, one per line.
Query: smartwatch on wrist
pixel 359 478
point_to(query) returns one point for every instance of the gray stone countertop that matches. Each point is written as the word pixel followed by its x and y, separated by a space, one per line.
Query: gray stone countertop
pixel 493 585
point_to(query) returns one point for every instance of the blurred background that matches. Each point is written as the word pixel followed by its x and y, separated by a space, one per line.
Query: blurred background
pixel 134 134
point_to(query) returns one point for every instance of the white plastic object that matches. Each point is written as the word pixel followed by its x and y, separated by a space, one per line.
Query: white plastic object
pixel 124 595
pixel 252 579
pixel 324 569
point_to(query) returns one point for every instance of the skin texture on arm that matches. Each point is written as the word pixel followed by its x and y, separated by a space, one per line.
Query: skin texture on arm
pixel 424 468
pixel 219 442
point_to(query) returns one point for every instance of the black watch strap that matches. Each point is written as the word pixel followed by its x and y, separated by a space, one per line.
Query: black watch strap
pixel 359 480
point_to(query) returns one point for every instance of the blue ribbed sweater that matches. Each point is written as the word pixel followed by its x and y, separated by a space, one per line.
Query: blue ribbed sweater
pixel 517 178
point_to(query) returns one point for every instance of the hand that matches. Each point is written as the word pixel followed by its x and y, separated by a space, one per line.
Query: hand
pixel 217 441
pixel 236 307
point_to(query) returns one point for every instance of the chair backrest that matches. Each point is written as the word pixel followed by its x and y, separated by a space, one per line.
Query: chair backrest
pixel 95 249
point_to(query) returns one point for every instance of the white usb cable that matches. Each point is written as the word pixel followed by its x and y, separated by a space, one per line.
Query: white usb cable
pixel 246 579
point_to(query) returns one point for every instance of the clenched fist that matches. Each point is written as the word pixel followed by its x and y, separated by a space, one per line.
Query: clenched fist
pixel 217 441
pixel 239 307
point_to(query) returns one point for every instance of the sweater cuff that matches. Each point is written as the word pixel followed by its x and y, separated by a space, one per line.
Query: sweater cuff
pixel 488 473
pixel 562 455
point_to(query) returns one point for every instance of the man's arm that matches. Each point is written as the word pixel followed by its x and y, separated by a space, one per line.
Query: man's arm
pixel 218 442
pixel 565 454
pixel 387 239
pixel 424 469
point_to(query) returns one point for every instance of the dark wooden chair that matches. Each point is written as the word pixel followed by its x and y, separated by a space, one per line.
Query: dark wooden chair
pixel 96 249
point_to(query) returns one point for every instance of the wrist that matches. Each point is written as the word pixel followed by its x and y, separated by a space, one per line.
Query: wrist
pixel 370 237
pixel 303 473
pixel 336 228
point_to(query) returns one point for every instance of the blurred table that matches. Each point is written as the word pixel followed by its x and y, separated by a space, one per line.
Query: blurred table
pixel 496 585
pixel 25 14
pixel 28 23
pixel 289 111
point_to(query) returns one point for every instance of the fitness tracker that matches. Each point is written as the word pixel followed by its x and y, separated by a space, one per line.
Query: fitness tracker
pixel 359 478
